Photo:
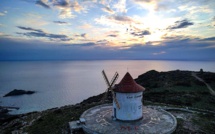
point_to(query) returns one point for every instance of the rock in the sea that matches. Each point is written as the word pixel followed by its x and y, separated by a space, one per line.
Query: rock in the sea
pixel 16 92
pixel 3 110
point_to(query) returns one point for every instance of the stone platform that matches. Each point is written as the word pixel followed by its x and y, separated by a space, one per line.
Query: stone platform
pixel 155 121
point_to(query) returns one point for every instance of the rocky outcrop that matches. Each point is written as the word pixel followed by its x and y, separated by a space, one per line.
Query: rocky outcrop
pixel 16 92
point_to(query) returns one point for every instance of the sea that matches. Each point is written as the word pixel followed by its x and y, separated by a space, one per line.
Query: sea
pixel 60 83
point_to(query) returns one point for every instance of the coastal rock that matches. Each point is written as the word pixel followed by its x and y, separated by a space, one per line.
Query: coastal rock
pixel 3 110
pixel 16 92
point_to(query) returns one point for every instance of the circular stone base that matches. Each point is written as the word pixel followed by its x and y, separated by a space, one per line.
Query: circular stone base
pixel 99 120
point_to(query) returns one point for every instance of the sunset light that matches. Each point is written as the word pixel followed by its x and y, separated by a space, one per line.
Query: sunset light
pixel 102 26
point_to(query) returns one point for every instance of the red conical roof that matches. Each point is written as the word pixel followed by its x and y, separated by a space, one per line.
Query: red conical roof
pixel 128 85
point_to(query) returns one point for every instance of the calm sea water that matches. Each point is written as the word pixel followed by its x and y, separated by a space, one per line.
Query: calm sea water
pixel 60 83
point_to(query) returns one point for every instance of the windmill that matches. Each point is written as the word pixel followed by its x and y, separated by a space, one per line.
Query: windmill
pixel 110 87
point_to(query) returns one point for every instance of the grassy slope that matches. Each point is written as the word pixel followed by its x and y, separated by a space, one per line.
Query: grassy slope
pixel 178 88
pixel 56 121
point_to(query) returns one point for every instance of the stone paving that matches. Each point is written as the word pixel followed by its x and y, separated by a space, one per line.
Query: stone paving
pixel 155 121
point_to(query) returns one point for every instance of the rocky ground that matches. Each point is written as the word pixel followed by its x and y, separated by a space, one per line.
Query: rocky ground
pixel 189 100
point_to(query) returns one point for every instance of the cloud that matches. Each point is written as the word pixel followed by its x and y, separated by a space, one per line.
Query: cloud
pixel 174 49
pixel 112 35
pixel 213 20
pixel 2 34
pixel 88 44
pixel 42 34
pixel 42 4
pixel 148 4
pixel 209 39
pixel 32 19
pixel 186 42
pixel 178 48
pixel 141 34
pixel 102 42
pixel 84 35
pixel 62 3
pixel 47 35
pixel 158 53
pixel 66 13
pixel 144 1
pixel 124 19
pixel 61 22
pixel 120 6
pixel 103 2
pixel 3 13
pixel 116 20
pixel 181 24
pixel 194 9
pixel 108 10
pixel 91 1
pixel 145 32
pixel 85 26
pixel 120 18
pixel 65 7
pixel 76 6
pixel 12 49
pixel 29 29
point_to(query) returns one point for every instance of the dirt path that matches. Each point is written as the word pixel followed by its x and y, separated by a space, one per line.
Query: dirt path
pixel 208 86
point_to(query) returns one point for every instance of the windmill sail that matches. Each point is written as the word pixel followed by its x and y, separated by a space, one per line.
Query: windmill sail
pixel 113 80
pixel 106 79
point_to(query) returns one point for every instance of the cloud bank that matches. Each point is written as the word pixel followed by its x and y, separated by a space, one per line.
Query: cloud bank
pixel 41 34
pixel 171 49
pixel 181 24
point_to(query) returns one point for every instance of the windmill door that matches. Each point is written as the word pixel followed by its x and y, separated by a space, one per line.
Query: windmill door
pixel 114 112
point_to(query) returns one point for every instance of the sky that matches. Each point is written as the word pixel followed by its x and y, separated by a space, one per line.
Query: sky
pixel 107 29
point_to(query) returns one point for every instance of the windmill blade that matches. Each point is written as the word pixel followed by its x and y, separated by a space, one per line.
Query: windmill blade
pixel 106 79
pixel 108 84
pixel 115 77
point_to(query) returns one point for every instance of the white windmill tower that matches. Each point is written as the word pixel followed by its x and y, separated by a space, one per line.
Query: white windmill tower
pixel 127 98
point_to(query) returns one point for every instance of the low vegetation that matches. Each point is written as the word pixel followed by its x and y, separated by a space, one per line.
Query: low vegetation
pixel 178 88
